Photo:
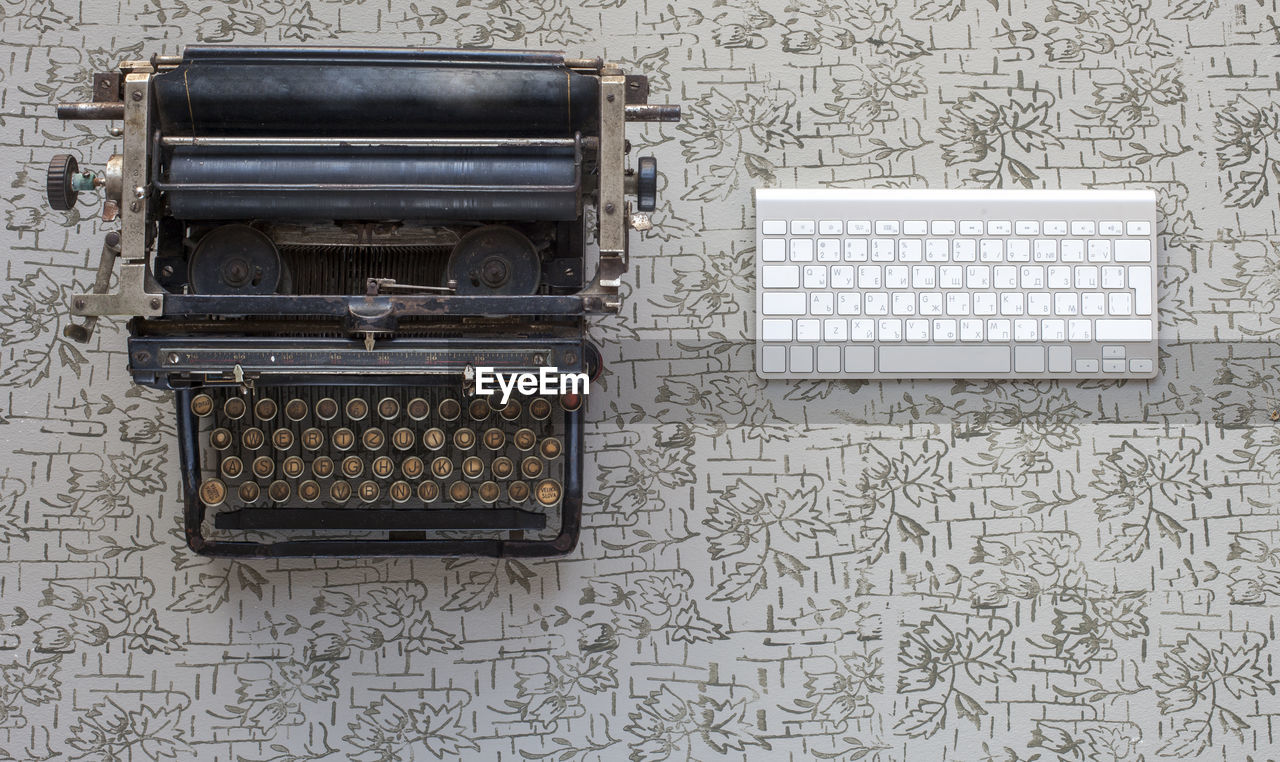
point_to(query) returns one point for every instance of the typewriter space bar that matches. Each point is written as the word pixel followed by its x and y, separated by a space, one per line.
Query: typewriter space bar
pixel 939 361
pixel 394 519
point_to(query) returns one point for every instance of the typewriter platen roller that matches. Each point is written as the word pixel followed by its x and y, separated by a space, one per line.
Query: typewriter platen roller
pixel 318 247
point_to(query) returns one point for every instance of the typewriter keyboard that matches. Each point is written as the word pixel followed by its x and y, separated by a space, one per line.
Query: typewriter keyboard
pixel 357 447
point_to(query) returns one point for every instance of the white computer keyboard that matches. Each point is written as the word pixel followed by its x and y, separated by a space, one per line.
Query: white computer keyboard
pixel 955 283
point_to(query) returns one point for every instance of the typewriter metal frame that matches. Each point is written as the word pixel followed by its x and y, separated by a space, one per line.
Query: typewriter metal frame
pixel 164 323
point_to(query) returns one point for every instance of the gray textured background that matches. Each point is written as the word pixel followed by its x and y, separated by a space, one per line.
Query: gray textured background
pixel 853 571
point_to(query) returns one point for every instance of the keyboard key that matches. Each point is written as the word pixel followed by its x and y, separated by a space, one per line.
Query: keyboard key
pixel 1093 303
pixel 904 303
pixel 822 303
pixel 1017 250
pixel 808 330
pixel 909 250
pixel 877 304
pixel 862 329
pixel 950 276
pixel 1026 330
pixel 1059 359
pixel 1066 303
pixel 999 227
pixel 815 276
pixel 835 329
pixel 915 227
pixel 801 249
pixel 1139 227
pixel 774 227
pixel 859 359
pixel 776 330
pixel 780 276
pixel 1123 330
pixel 1027 227
pixel 1004 277
pixel 858 227
pixel 1134 250
pixel 1087 366
pixel 1140 282
pixel 1059 277
pixel 801 359
pixel 1086 277
pixel 1054 330
pixel 1113 277
pixel 828 249
pixel 774 250
pixel 1039 303
pixel 1080 330
pixel 1073 250
pixel 1100 251
pixel 1113 366
pixel 830 227
pixel 802 227
pixel 991 250
pixel 944 329
pixel 855 250
pixel 964 250
pixel 972 329
pixel 930 303
pixel 1110 227
pixel 943 227
pixel 923 276
pixel 1028 359
pixel 884 249
pixel 1120 303
pixel 958 303
pixel 1113 352
pixel 895 276
pixel 842 276
pixel 977 276
pixel 1046 250
pixel 1011 303
pixel 971 227
pixel 783 304
pixel 998 329
pixel 917 330
pixel 828 359
pixel 984 303
pixel 1142 365
pixel 1032 276
pixel 869 276
pixel 887 227
pixel 848 303
pixel 889 329
pixel 958 360
pixel 1055 227
pixel 1078 227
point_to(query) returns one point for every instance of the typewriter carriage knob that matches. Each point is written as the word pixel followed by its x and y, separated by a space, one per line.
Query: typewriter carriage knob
pixel 64 181
pixel 646 184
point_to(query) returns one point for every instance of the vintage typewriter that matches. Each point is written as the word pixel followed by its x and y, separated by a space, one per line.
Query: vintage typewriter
pixel 319 247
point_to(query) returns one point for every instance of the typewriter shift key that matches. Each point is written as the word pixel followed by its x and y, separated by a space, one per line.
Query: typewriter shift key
pixel 548 492
pixel 213 492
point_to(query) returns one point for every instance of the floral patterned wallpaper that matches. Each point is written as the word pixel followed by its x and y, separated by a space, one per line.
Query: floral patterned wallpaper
pixel 851 571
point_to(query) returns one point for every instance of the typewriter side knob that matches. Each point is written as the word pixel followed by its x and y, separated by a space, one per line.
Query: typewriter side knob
pixel 495 260
pixel 64 181
pixel 235 259
pixel 646 184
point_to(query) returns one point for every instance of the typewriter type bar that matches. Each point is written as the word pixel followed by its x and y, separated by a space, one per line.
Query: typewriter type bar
pixel 317 249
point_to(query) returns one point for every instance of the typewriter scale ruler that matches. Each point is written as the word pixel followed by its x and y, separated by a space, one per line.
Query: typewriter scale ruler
pixel 351 361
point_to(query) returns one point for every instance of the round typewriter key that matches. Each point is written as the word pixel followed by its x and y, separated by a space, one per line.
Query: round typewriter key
pixel 503 467
pixel 234 408
pixel 488 492
pixel 282 439
pixel 459 492
pixel 472 467
pixel 212 492
pixel 450 409
pixel 339 492
pixel 252 438
pixel 428 492
pixel 511 411
pixel 278 491
pixel 540 409
pixel 327 409
pixel 295 410
pixel 201 405
pixel 441 467
pixel 292 466
pixel 309 491
pixel 265 409
pixel 232 467
pixel 412 467
pixel 403 438
pixel 478 409
pixel 220 439
pixel 550 448
pixel 433 439
pixel 547 492
pixel 249 492
pixel 357 409
pixel 525 439
pixel 368 491
pixel 571 402
pixel 388 408
pixel 313 439
pixel 494 439
pixel 263 467
pixel 417 408
pixel 373 439
pixel 400 491
pixel 464 439
pixel 383 467
pixel 518 492
pixel 344 439
pixel 322 467
pixel 352 466
pixel 531 467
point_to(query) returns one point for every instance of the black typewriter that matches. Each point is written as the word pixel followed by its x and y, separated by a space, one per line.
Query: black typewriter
pixel 322 251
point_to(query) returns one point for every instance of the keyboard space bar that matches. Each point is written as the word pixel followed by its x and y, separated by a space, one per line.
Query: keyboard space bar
pixel 941 361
